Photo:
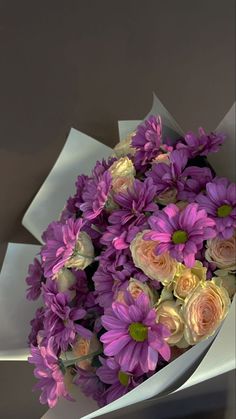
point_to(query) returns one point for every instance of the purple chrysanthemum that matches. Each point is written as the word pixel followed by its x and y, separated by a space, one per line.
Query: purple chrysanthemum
pixel 176 176
pixel 34 280
pixel 197 178
pixel 73 203
pixel 203 144
pixel 61 319
pixel 60 241
pixel 112 276
pixel 134 203
pixel 121 382
pixel 181 232
pixel 91 385
pixel 47 370
pixel 37 324
pixel 133 336
pixel 147 142
pixel 220 203
pixel 96 191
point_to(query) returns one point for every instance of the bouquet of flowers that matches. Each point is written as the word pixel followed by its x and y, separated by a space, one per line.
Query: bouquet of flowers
pixel 139 268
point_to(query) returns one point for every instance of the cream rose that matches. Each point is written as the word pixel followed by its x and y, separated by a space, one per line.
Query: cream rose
pixel 83 254
pixel 84 347
pixel 123 174
pixel 136 288
pixel 186 280
pixel 124 147
pixel 169 196
pixel 168 314
pixel 222 253
pixel 162 268
pixel 65 279
pixel 204 310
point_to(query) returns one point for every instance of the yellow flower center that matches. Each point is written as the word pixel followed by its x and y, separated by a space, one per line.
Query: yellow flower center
pixel 179 237
pixel 123 378
pixel 224 211
pixel 138 332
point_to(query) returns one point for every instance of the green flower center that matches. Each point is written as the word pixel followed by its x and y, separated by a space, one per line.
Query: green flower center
pixel 123 378
pixel 179 237
pixel 138 332
pixel 224 210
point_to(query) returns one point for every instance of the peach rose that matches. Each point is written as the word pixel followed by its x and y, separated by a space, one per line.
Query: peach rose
pixel 162 268
pixel 167 197
pixel 124 147
pixel 204 310
pixel 84 347
pixel 186 280
pixel 136 288
pixel 222 253
pixel 168 314
pixel 123 175
pixel 83 254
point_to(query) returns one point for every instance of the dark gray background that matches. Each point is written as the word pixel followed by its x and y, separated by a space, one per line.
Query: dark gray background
pixel 88 64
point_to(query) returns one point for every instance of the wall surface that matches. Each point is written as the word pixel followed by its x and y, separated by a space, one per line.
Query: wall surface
pixel 87 64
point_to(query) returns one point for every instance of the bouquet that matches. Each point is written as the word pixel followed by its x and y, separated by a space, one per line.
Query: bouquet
pixel 139 268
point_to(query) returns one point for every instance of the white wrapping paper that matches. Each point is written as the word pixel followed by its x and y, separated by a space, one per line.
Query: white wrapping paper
pixel 15 311
pixel 79 156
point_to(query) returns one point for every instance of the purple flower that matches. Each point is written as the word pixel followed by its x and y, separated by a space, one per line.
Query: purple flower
pixel 47 370
pixel 61 319
pixel 36 326
pixel 121 382
pixel 133 336
pixel 73 203
pixel 220 203
pixel 181 233
pixel 112 276
pixel 96 192
pixel 147 141
pixel 134 203
pixel 60 241
pixel 171 176
pixel 203 144
pixel 91 386
pixel 34 280
pixel 197 178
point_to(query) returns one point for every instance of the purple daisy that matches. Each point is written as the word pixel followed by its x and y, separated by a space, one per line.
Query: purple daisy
pixel 60 242
pixel 171 176
pixel 47 370
pixel 203 144
pixel 197 178
pixel 121 382
pixel 96 191
pixel 133 336
pixel 220 203
pixel 37 324
pixel 180 232
pixel 61 319
pixel 73 203
pixel 134 203
pixel 34 280
pixel 91 385
pixel 147 142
